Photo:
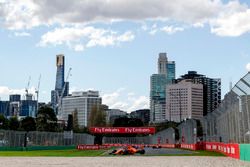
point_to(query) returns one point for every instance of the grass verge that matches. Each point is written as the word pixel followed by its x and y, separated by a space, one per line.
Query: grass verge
pixel 89 153
pixel 52 153
pixel 195 153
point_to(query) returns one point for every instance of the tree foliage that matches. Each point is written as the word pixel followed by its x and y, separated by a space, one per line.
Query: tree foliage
pixel 97 117
pixel 75 121
pixel 28 124
pixel 46 119
pixel 14 123
pixel 4 122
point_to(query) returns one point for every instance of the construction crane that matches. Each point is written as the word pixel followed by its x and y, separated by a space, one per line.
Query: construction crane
pixel 37 91
pixel 27 87
pixel 62 93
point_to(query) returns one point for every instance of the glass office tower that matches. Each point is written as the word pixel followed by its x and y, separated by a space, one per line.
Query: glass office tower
pixel 158 84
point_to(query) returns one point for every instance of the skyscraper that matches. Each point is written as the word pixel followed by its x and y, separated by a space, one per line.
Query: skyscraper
pixel 166 67
pixel 185 100
pixel 59 73
pixel 162 63
pixel 158 84
pixel 61 87
pixel 211 89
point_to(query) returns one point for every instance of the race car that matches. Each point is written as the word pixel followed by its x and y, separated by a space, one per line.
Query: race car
pixel 128 150
pixel 156 146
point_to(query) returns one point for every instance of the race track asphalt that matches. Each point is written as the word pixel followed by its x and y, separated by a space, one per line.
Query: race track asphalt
pixel 166 151
pixel 122 161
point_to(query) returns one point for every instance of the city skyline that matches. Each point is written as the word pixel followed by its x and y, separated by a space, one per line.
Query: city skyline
pixel 115 51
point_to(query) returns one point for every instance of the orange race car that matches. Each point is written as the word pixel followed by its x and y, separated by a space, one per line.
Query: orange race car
pixel 128 150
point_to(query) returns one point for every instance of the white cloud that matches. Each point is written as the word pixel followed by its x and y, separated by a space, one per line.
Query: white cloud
pixel 198 25
pixel 111 98
pixel 171 29
pixel 127 101
pixel 144 27
pixel 119 105
pixel 22 34
pixel 74 37
pixel 31 13
pixel 4 90
pixel 131 94
pixel 167 29
pixel 232 21
pixel 141 102
pixel 79 47
pixel 20 14
pixel 234 24
pixel 151 30
pixel 229 18
pixel 248 67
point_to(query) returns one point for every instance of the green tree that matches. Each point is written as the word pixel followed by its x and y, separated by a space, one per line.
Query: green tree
pixel 28 124
pixel 14 123
pixel 4 122
pixel 46 119
pixel 75 121
pixel 97 117
pixel 127 122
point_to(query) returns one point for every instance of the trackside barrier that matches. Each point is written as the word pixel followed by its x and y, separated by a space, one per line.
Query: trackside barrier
pixel 230 149
pixel 168 145
pixel 106 146
pixel 245 152
pixel 189 146
pixel 92 147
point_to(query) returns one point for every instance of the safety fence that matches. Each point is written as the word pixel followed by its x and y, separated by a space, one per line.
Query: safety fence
pixel 37 138
pixel 166 136
pixel 188 131
pixel 92 147
pixel 107 146
pixel 230 122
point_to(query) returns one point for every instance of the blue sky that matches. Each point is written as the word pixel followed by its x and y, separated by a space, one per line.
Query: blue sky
pixel 112 46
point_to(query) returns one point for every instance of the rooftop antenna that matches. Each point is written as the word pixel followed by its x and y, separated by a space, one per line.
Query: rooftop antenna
pixel 37 91
pixel 230 84
pixel 27 87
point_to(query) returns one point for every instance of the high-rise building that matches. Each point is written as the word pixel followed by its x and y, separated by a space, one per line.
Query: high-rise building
pixel 4 108
pixel 81 103
pixel 14 105
pixel 166 67
pixel 15 97
pixel 162 63
pixel 185 101
pixel 142 114
pixel 28 108
pixel 112 114
pixel 60 63
pixel 60 85
pixel 158 84
pixel 211 89
pixel 18 107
